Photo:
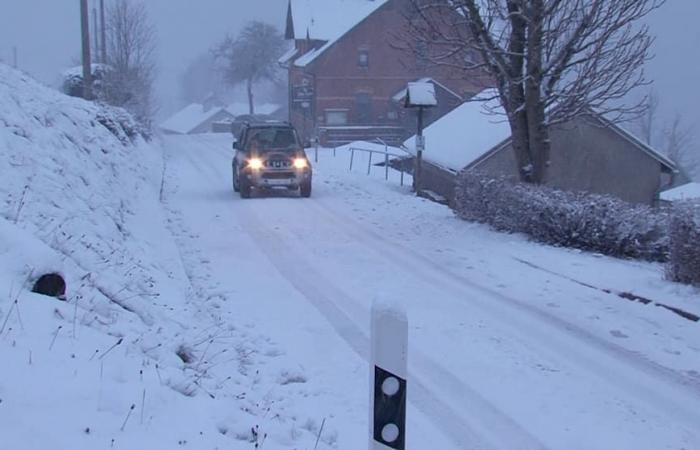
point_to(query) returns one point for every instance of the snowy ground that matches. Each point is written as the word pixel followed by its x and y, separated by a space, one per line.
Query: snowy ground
pixel 267 300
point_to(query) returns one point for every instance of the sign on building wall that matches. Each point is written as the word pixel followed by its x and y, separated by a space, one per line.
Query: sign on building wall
pixel 303 96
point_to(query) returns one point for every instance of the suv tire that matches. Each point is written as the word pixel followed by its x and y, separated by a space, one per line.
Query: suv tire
pixel 305 189
pixel 236 188
pixel 244 189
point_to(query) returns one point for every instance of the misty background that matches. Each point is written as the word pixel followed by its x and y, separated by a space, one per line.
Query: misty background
pixel 46 34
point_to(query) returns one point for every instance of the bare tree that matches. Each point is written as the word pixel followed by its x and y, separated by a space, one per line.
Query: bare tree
pixel 251 57
pixel 674 138
pixel 550 60
pixel 131 43
pixel 647 121
pixel 679 141
pixel 200 78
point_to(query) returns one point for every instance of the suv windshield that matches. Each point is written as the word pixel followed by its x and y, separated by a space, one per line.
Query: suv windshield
pixel 272 139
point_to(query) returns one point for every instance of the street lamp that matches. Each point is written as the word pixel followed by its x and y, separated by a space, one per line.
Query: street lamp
pixel 420 95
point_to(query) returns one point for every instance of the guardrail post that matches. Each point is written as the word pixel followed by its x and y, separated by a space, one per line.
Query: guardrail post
pixel 388 377
pixel 386 164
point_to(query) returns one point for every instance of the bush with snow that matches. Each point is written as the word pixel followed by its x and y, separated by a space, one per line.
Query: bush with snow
pixel 684 263
pixel 570 219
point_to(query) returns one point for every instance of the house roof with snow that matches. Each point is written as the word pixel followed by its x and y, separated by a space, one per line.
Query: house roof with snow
pixel 326 21
pixel 688 191
pixel 239 108
pixel 189 118
pixel 464 134
pixel 479 128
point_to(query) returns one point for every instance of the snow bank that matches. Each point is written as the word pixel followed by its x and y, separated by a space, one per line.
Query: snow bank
pixel 80 196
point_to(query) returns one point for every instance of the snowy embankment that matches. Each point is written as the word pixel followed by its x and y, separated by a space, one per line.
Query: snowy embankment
pixel 123 363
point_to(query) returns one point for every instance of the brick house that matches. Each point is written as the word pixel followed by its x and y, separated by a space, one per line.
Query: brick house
pixel 347 72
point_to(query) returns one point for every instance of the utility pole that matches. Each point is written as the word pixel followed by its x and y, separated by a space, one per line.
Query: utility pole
pixel 85 34
pixel 103 33
pixel 95 36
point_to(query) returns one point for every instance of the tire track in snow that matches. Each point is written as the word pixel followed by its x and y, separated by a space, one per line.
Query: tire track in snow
pixel 604 360
pixel 595 355
pixel 496 430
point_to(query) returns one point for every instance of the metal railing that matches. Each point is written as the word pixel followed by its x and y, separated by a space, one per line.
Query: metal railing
pixel 386 154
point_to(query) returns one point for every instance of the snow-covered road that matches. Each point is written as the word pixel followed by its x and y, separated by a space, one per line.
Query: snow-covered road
pixel 505 350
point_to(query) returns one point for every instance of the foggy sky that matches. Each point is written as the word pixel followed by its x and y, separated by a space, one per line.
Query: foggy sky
pixel 47 35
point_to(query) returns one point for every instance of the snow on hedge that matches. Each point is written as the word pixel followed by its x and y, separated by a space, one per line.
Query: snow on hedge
pixel 684 264
pixel 579 220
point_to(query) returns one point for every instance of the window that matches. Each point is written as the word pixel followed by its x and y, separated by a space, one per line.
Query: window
pixel 336 117
pixel 421 54
pixel 363 58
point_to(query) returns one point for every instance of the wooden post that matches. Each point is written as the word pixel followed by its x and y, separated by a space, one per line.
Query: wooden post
pixel 14 56
pixel 103 34
pixel 420 144
pixel 87 63
pixel 95 36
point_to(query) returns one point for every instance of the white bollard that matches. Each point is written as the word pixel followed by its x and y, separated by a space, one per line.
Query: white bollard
pixel 388 373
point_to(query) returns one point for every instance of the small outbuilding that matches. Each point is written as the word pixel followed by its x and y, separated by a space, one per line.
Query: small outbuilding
pixel 588 153
pixel 196 118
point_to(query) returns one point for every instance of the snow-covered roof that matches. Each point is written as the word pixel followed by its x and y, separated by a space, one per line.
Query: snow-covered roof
pixel 189 118
pixel 327 20
pixel 291 53
pixel 464 134
pixel 688 191
pixel 239 108
pixel 421 93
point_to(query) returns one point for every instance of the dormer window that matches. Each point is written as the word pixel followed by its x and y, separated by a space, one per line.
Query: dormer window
pixel 363 58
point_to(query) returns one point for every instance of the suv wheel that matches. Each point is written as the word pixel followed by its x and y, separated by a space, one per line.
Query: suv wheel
pixel 236 188
pixel 305 189
pixel 244 189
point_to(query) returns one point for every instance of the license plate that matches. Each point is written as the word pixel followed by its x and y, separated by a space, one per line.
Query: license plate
pixel 278 182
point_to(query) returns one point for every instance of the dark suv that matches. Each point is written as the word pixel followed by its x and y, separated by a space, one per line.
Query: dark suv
pixel 269 155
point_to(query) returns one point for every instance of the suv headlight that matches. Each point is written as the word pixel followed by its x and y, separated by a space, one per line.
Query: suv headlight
pixel 300 163
pixel 255 163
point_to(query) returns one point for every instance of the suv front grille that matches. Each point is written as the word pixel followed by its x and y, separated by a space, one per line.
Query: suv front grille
pixel 277 175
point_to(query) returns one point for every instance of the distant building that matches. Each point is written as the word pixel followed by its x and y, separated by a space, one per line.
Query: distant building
pixel 346 73
pixel 588 154
pixel 196 118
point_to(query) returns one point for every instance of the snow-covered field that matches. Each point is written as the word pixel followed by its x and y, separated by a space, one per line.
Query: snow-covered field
pixel 267 300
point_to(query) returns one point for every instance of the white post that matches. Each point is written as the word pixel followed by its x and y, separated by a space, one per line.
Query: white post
pixel 388 374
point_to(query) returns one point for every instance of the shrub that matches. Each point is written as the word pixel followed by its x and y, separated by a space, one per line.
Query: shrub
pixel 579 220
pixel 121 124
pixel 684 263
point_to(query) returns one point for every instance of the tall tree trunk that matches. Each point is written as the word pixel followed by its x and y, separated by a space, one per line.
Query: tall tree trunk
pixel 516 95
pixel 85 35
pixel 534 105
pixel 251 103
